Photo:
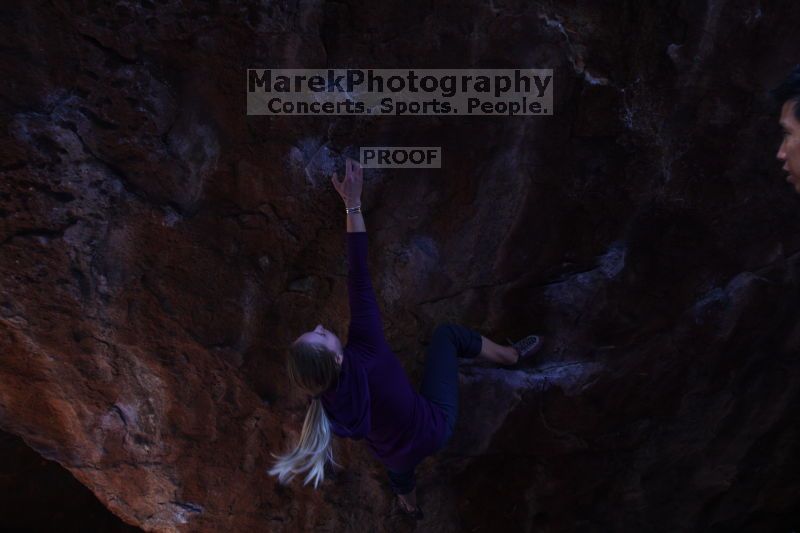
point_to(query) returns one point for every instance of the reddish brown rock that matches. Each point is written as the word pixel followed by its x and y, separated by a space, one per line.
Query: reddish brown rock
pixel 159 249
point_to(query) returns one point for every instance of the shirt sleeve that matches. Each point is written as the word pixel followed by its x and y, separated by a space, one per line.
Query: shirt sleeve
pixel 366 326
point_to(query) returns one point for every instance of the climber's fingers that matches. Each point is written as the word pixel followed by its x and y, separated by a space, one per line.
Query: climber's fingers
pixel 354 171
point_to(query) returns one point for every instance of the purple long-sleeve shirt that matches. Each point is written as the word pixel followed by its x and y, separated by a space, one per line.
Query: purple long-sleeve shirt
pixel 373 398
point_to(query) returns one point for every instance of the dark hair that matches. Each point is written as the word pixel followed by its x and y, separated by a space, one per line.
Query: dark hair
pixel 789 90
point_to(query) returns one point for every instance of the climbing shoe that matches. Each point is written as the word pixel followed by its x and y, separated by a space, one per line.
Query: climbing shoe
pixel 526 347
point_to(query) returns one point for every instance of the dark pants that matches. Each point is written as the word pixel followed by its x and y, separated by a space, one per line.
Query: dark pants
pixel 440 384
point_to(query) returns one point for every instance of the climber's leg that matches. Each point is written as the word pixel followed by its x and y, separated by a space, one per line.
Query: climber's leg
pixel 440 377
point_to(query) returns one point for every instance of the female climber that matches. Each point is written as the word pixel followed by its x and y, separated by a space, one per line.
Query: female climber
pixel 361 391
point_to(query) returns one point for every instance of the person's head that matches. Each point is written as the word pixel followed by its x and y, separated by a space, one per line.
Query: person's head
pixel 315 359
pixel 313 364
pixel 788 95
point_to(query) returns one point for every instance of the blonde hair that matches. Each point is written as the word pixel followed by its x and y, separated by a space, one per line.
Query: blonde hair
pixel 313 368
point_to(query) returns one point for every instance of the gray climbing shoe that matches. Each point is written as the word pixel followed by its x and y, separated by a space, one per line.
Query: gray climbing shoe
pixel 526 347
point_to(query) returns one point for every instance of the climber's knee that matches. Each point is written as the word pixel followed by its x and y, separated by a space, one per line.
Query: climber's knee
pixel 445 328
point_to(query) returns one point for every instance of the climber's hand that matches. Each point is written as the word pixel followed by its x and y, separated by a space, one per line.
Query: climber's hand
pixel 350 187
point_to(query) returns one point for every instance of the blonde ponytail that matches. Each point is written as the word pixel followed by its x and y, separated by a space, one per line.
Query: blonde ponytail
pixel 307 364
pixel 312 451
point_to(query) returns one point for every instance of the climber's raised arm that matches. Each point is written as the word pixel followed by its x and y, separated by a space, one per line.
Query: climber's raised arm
pixel 350 191
pixel 366 326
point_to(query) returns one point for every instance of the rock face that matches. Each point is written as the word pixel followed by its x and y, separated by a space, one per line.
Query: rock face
pixel 39 495
pixel 159 249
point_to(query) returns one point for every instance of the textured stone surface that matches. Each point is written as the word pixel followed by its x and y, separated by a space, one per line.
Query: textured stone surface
pixel 159 249
pixel 39 495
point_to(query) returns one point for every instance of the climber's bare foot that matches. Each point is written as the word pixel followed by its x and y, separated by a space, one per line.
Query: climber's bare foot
pixel 491 351
pixel 514 355
pixel 408 501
